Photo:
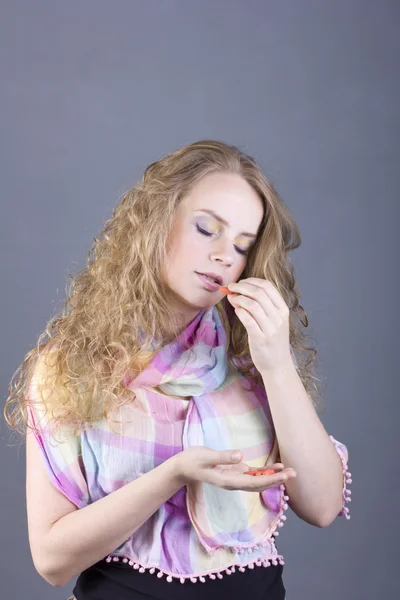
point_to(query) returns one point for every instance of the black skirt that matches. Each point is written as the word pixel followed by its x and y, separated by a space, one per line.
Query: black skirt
pixel 108 581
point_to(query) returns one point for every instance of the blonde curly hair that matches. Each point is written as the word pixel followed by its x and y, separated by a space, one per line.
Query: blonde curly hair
pixel 95 341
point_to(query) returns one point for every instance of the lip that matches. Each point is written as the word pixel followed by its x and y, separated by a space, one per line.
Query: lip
pixel 218 277
pixel 210 285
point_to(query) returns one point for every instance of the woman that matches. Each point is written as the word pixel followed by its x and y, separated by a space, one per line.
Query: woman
pixel 153 374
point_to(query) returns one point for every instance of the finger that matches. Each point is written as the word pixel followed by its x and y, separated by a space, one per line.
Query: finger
pixel 271 480
pixel 280 477
pixel 270 290
pixel 275 466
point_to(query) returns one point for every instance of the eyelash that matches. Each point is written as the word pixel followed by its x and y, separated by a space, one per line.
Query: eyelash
pixel 243 252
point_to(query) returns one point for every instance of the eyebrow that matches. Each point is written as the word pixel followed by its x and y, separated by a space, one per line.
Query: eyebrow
pixel 219 218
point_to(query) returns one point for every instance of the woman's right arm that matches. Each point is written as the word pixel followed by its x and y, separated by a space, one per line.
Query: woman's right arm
pixel 65 541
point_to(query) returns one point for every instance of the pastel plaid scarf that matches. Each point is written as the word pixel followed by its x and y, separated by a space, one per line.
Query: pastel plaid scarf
pixel 195 364
pixel 221 413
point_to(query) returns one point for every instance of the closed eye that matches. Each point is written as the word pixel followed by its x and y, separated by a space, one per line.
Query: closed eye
pixel 203 232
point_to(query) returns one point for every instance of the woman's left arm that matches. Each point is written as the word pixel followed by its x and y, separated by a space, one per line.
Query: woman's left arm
pixel 316 494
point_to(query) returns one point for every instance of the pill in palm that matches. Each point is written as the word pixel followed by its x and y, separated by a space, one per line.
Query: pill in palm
pixel 260 472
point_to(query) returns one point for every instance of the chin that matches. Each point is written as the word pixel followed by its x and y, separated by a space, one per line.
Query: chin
pixel 199 303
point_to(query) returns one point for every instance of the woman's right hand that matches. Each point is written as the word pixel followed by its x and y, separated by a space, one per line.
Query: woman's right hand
pixel 217 468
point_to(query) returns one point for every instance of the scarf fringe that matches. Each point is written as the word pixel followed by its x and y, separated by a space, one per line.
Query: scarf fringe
pixel 346 479
pixel 265 562
pixel 260 562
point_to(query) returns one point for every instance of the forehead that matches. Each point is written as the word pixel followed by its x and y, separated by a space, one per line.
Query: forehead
pixel 229 196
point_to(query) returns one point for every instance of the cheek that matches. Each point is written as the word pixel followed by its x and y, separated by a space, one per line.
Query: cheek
pixel 184 249
pixel 237 272
pixel 191 243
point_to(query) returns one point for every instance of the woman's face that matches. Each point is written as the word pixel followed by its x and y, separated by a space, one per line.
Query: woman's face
pixel 201 243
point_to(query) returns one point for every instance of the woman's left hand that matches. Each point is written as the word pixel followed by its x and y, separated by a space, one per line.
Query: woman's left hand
pixel 265 315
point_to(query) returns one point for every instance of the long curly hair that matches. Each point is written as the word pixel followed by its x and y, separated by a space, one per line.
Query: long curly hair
pixel 112 320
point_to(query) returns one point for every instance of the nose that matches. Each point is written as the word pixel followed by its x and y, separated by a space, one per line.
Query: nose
pixel 226 260
pixel 222 254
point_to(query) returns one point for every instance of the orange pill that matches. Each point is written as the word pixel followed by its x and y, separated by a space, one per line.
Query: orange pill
pixel 225 290
pixel 260 472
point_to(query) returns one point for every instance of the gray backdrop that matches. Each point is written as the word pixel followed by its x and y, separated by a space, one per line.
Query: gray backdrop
pixel 94 91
